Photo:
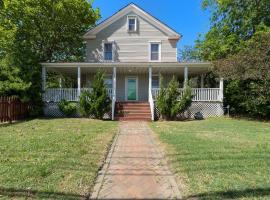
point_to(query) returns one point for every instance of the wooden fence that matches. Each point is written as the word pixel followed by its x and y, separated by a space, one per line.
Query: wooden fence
pixel 12 109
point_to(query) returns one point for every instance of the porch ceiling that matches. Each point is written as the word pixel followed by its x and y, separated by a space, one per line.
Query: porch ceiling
pixel 129 68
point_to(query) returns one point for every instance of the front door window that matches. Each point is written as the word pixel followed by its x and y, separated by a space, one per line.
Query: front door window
pixel 131 89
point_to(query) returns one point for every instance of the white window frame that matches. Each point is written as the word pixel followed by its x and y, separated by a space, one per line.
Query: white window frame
pixel 103 46
pixel 136 22
pixel 155 42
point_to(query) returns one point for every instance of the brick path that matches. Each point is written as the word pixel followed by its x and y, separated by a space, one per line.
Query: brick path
pixel 135 168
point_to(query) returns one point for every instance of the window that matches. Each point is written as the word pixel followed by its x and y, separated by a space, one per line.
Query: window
pixel 155 81
pixel 132 24
pixel 108 81
pixel 108 51
pixel 155 51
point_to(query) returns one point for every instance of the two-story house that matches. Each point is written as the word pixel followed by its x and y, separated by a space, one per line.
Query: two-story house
pixel 133 48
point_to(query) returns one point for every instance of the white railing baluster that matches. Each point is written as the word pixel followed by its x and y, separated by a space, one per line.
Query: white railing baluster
pixel 70 94
pixel 200 94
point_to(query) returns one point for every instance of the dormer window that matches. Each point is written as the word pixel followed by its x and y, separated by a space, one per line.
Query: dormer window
pixel 132 23
pixel 108 51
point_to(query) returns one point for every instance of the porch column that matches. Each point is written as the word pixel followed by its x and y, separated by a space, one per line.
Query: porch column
pixel 79 82
pixel 113 92
pixel 221 88
pixel 150 83
pixel 185 75
pixel 43 74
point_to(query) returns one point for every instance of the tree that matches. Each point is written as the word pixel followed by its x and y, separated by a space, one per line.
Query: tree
pixel 248 73
pixel 189 53
pixel 233 23
pixel 169 102
pixel 42 31
pixel 96 103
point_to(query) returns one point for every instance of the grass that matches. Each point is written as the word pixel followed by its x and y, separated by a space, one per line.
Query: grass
pixel 219 158
pixel 52 159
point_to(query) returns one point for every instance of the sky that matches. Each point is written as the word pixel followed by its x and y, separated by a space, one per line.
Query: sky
pixel 185 16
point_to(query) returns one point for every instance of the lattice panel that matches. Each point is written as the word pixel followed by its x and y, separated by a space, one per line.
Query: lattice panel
pixel 208 109
pixel 51 110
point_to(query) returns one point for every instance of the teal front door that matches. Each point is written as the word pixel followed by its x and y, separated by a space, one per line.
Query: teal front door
pixel 131 90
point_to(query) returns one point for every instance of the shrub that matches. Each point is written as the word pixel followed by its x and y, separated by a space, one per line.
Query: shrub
pixel 168 101
pixel 96 103
pixel 85 104
pixel 67 108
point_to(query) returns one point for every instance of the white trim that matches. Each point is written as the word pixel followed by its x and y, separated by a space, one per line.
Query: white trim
pixel 160 54
pixel 138 11
pixel 126 88
pixel 136 22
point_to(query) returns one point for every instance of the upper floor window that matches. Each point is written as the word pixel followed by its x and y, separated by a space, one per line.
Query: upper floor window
pixel 155 51
pixel 108 51
pixel 132 23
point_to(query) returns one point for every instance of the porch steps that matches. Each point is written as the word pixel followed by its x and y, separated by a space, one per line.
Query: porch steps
pixel 132 111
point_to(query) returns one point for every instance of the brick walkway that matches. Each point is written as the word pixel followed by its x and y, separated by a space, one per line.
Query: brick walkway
pixel 135 168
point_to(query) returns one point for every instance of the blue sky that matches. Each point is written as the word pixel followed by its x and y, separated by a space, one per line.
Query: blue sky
pixel 185 16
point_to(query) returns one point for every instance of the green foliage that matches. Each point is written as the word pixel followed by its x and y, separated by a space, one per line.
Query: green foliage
pixel 248 97
pixel 233 23
pixel 184 103
pixel 96 103
pixel 67 108
pixel 85 103
pixel 248 75
pixel 34 31
pixel 189 53
pixel 168 101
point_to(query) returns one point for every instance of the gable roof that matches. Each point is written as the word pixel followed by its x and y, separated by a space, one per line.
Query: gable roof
pixel 172 34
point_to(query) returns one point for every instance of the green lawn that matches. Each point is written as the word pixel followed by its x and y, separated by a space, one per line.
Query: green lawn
pixel 52 159
pixel 219 158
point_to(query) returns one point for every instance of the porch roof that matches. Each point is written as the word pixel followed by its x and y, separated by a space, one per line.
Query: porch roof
pixel 194 68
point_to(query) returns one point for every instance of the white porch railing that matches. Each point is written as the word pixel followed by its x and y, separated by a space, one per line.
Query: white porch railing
pixel 200 94
pixel 69 94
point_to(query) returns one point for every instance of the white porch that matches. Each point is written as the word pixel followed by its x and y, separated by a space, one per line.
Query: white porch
pixel 119 72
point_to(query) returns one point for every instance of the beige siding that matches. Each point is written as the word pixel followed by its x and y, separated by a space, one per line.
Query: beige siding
pixel 131 47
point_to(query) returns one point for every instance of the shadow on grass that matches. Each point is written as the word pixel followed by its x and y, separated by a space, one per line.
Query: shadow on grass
pixel 232 194
pixel 7 124
pixel 35 194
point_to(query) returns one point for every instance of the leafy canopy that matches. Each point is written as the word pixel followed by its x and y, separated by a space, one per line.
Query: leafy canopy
pixel 233 22
pixel 34 31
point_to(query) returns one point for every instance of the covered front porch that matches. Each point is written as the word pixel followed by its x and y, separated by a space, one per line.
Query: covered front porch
pixel 135 82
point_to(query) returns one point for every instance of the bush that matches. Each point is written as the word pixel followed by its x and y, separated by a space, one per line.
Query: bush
pixel 168 101
pixel 96 103
pixel 67 108
pixel 85 104
pixel 248 97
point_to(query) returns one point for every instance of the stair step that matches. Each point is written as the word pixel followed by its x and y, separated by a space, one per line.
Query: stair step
pixel 133 115
pixel 134 111
pixel 133 118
